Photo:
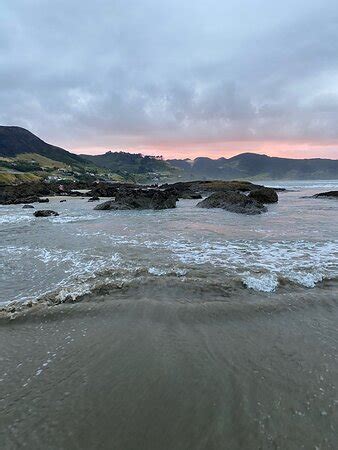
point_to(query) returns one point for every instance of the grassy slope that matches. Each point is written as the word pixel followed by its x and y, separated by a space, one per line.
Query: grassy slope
pixel 16 178
pixel 41 160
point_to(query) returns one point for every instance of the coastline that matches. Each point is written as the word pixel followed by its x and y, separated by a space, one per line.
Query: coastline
pixel 179 329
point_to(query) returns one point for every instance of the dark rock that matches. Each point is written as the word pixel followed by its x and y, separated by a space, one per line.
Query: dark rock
pixel 22 201
pixel 209 186
pixel 264 195
pixel 27 206
pixel 94 199
pixel 183 193
pixel 329 194
pixel 233 202
pixel 75 194
pixel 140 199
pixel 45 213
pixel 25 192
pixel 43 200
pixel 106 206
pixel 190 196
pixel 62 201
pixel 103 189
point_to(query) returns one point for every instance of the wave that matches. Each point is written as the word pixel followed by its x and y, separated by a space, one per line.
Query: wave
pixel 12 217
pixel 255 265
pixel 171 284
pixel 301 184
pixel 73 218
pixel 261 264
pixel 12 220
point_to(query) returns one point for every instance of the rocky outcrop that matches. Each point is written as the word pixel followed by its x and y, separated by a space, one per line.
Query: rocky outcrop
pixel 264 195
pixel 109 205
pixel 24 193
pixel 45 213
pixel 209 186
pixel 27 207
pixel 21 201
pixel 32 192
pixel 139 199
pixel 329 194
pixel 234 202
pixel 190 196
pixel 75 194
pixel 94 199
pixel 103 189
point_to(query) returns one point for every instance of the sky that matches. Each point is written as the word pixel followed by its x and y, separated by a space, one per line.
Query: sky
pixel 174 78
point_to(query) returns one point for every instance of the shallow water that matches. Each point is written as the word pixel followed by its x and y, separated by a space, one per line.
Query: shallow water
pixel 68 255
pixel 141 371
pixel 191 329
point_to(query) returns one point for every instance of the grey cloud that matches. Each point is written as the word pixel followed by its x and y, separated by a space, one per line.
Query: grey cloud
pixel 118 72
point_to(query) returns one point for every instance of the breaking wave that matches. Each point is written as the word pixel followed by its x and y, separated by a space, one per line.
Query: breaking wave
pixel 259 266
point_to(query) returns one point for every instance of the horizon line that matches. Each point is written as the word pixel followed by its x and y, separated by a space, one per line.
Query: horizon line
pixel 135 152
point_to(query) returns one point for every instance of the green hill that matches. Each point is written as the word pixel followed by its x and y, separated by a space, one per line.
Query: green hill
pixel 122 162
pixel 255 166
pixel 16 140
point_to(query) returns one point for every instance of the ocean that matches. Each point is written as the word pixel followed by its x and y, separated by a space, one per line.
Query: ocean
pixel 177 329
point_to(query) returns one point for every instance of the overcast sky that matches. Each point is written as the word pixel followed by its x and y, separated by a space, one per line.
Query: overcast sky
pixel 179 78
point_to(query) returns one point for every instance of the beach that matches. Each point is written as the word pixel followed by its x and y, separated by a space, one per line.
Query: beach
pixel 153 374
pixel 175 329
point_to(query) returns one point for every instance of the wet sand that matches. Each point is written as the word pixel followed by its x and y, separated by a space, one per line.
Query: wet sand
pixel 136 372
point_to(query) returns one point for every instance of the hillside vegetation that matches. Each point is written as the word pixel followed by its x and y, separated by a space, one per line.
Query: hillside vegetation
pixel 259 167
pixel 123 162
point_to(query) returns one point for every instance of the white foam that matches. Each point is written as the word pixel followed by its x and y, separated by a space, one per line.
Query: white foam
pixel 161 272
pixel 15 219
pixel 78 267
pixel 263 283
pixel 260 264
pixel 156 271
pixel 71 219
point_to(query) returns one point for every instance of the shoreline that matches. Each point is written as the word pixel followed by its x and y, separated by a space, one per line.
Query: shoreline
pixel 224 298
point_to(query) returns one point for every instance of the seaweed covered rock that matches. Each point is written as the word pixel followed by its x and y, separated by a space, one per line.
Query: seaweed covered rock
pixel 264 195
pixel 45 213
pixel 329 194
pixel 24 193
pixel 105 189
pixel 210 186
pixel 190 196
pixel 140 199
pixel 234 202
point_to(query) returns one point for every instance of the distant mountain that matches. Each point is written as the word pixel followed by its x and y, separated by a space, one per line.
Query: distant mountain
pixel 130 163
pixel 252 165
pixel 16 140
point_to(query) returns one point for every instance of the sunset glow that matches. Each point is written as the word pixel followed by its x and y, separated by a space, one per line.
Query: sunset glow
pixel 226 149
